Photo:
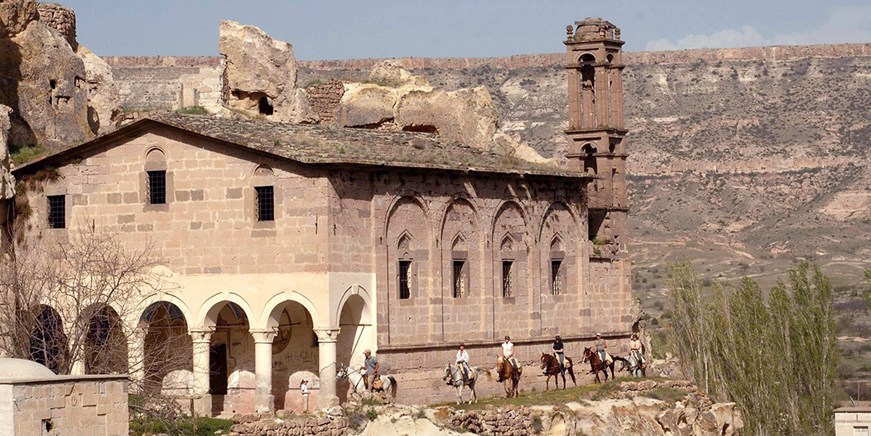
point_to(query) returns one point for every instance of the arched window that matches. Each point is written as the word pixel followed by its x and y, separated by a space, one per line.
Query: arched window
pixel 459 267
pixel 155 177
pixel 405 267
pixel 557 272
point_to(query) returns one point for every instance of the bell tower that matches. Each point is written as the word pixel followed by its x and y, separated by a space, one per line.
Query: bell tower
pixel 596 134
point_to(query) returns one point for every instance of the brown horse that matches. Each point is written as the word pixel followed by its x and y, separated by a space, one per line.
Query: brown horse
pixel 597 365
pixel 510 377
pixel 550 365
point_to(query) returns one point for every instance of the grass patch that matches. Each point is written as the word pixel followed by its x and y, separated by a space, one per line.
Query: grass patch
pixel 193 110
pixel 669 395
pixel 25 153
pixel 205 426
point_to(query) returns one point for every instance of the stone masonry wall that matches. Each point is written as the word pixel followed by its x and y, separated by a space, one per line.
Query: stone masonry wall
pixel 59 18
pixel 71 405
pixel 324 98
pixel 209 224
pixel 167 82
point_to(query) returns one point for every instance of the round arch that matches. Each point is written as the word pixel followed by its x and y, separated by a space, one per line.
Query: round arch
pixel 150 300
pixel 350 292
pixel 269 318
pixel 208 313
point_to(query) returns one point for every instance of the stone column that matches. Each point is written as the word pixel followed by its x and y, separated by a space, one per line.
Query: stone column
pixel 327 363
pixel 201 339
pixel 136 358
pixel 264 401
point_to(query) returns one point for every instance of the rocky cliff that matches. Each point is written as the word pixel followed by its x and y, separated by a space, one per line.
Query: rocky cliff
pixel 59 96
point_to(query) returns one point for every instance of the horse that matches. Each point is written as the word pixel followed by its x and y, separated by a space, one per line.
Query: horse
pixel 550 365
pixel 356 379
pixel 633 365
pixel 454 377
pixel 597 365
pixel 510 377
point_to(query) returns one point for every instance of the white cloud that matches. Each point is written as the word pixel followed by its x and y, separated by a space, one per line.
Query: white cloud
pixel 843 24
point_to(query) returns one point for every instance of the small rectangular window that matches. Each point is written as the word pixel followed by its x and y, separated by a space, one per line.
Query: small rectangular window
pixel 57 205
pixel 860 431
pixel 157 187
pixel 556 279
pixel 506 277
pixel 265 203
pixel 459 278
pixel 404 279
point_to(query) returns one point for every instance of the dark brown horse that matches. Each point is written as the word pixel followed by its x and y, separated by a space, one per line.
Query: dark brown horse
pixel 550 365
pixel 597 365
pixel 510 377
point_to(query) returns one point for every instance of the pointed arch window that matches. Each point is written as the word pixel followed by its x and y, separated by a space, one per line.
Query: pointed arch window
pixel 405 267
pixel 459 267
pixel 557 270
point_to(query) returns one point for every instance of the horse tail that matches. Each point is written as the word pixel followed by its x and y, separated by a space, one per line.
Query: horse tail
pixel 392 386
pixel 485 371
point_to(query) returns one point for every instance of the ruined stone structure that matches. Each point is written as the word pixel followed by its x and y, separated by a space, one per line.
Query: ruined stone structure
pixel 287 249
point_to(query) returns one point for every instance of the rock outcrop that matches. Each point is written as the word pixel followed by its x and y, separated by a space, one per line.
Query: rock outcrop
pixel 104 111
pixel 260 75
pixel 59 97
pixel 395 98
pixel 7 182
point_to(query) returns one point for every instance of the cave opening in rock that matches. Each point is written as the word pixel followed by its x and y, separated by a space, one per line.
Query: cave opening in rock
pixel 424 128
pixel 264 105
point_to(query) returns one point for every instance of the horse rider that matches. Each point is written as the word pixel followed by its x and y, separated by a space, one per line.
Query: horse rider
pixel 601 345
pixel 508 354
pixel 559 352
pixel 463 362
pixel 635 348
pixel 370 364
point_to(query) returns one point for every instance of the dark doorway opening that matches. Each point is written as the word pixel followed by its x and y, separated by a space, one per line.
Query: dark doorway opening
pixel 218 369
pixel 264 105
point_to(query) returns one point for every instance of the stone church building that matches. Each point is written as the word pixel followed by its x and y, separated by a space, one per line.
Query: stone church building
pixel 289 249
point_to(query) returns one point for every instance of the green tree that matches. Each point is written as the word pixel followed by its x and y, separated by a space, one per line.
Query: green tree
pixel 774 356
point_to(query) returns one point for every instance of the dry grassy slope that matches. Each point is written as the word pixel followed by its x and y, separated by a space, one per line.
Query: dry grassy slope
pixel 741 165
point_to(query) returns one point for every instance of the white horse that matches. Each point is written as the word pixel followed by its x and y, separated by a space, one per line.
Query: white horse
pixel 454 377
pixel 358 385
pixel 633 364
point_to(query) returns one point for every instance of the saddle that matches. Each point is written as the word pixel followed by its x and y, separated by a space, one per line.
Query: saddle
pixel 377 383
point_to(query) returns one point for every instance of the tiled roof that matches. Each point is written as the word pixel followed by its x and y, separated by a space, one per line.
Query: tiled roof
pixel 316 144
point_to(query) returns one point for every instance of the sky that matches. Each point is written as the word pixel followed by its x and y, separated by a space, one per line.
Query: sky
pixel 347 29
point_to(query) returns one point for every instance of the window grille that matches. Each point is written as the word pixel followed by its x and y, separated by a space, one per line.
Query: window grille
pixel 556 279
pixel 57 211
pixel 157 187
pixel 404 279
pixel 506 278
pixel 265 203
pixel 459 282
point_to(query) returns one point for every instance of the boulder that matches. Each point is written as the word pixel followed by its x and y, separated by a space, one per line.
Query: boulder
pixel 260 75
pixel 394 98
pixel 365 105
pixel 7 182
pixel 104 110
pixel 464 116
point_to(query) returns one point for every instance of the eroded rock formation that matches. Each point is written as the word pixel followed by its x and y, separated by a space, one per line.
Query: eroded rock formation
pixel 58 96
pixel 395 98
pixel 260 75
